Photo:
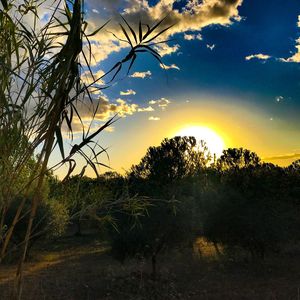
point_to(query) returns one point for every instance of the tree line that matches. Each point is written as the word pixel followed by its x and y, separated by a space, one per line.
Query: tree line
pixel 174 195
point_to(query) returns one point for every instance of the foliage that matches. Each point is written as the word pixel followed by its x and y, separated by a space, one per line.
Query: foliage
pixel 96 200
pixel 165 175
pixel 41 66
pixel 159 170
pixel 50 221
pixel 237 158
pixel 165 227
pixel 249 209
pixel 174 159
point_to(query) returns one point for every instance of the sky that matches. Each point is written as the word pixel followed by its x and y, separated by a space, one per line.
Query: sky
pixel 232 66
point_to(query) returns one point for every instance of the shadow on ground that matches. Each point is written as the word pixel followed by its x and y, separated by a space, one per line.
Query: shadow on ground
pixel 87 271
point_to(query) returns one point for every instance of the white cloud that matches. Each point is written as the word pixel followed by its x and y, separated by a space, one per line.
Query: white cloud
pixel 153 118
pixel 279 98
pixel 172 66
pixel 123 108
pixel 102 109
pixel 105 108
pixel 211 47
pixel 192 17
pixel 258 56
pixel 199 37
pixel 190 37
pixel 102 49
pixel 141 74
pixel 162 103
pixel 146 109
pixel 87 124
pixel 88 79
pixel 164 49
pixel 128 92
pixel 296 56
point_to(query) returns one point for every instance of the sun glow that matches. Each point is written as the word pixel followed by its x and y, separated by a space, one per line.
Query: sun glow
pixel 214 142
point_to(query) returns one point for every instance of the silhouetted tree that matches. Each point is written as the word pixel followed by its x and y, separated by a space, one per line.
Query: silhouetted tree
pixel 165 176
pixel 249 209
pixel 159 170
pixel 237 158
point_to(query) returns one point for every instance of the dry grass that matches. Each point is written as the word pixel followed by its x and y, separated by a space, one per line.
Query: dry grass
pixel 85 270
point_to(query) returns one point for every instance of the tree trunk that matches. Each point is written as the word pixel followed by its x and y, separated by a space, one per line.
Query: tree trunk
pixel 153 260
pixel 78 227
pixel 217 249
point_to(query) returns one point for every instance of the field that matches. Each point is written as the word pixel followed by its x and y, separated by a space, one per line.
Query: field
pixel 85 270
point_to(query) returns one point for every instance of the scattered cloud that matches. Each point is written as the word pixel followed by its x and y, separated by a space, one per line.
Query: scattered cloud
pixel 192 17
pixel 172 66
pixel 190 37
pixel 141 74
pixel 88 79
pixel 102 109
pixel 128 92
pixel 105 108
pixel 199 37
pixel 101 49
pixel 162 103
pixel 164 49
pixel 211 47
pixel 146 109
pixel 279 98
pixel 153 118
pixel 110 128
pixel 296 56
pixel 258 56
pixel 285 156
pixel 87 124
pixel 124 108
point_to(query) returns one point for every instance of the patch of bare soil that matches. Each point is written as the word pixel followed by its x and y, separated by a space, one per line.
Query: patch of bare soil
pixel 87 271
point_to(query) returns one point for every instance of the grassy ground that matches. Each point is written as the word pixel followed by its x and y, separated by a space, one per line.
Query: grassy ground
pixel 82 268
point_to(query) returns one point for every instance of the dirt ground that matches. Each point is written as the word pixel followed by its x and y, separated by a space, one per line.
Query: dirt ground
pixel 85 270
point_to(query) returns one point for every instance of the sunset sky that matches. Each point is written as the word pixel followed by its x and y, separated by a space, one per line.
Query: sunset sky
pixel 233 66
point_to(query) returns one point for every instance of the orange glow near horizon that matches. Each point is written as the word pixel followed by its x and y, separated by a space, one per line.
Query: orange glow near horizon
pixel 220 124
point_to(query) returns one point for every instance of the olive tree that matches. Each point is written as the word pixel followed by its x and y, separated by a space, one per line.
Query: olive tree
pixel 164 176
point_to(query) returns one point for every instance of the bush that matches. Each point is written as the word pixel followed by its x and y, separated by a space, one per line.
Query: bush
pixel 250 210
pixel 165 226
pixel 50 222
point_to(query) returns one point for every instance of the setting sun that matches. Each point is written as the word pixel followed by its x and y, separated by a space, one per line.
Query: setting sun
pixel 213 141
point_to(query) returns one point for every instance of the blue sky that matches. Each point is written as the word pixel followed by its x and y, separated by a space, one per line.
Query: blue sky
pixel 242 70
